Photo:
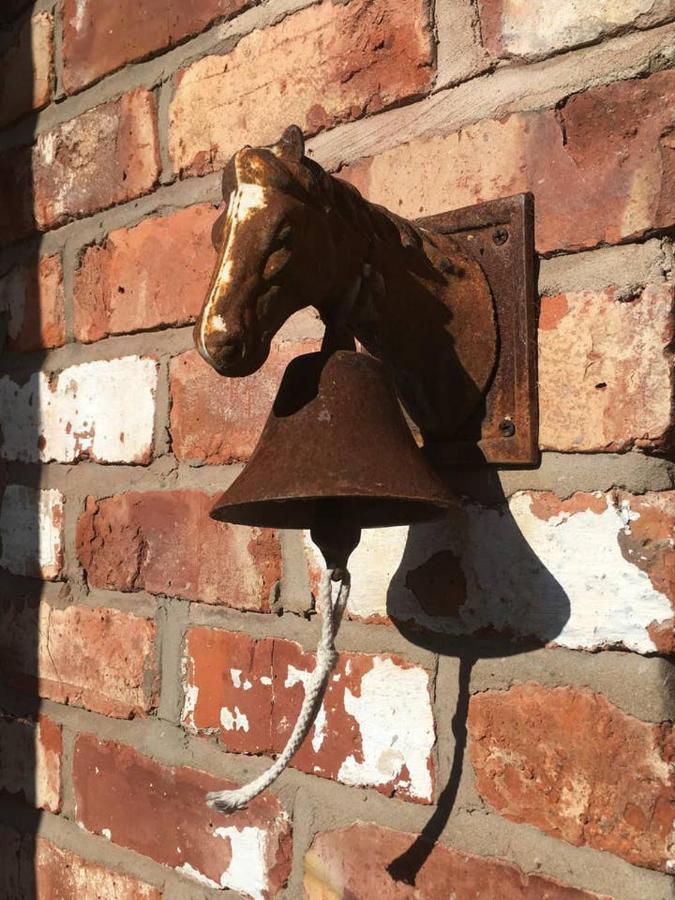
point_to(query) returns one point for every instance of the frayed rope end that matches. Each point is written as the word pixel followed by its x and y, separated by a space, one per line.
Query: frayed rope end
pixel 225 801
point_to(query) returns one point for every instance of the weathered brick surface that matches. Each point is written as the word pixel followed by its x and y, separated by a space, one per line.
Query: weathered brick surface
pixel 572 764
pixel 107 155
pixel 82 412
pixel 31 531
pixel 513 28
pixel 30 762
pixel 165 542
pixel 606 378
pixel 99 39
pixel 322 65
pixel 599 167
pixel 161 812
pixel 32 297
pixel 336 866
pixel 152 275
pixel 16 188
pixel 589 572
pixel 375 727
pixel 99 658
pixel 218 420
pixel 63 875
pixel 26 68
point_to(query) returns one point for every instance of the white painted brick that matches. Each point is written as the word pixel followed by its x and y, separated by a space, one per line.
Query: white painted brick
pixel 31 532
pixel 102 410
pixel 562 580
pixel 539 26
pixel 392 709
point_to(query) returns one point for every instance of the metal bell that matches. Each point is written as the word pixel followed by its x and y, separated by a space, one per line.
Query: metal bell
pixel 335 456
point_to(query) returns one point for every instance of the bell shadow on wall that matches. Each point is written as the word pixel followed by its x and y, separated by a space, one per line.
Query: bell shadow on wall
pixel 20 357
pixel 470 587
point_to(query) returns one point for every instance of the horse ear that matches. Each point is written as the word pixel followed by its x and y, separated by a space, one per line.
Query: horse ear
pixel 291 145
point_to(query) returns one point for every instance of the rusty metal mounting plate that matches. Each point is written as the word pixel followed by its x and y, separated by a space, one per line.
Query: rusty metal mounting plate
pixel 499 234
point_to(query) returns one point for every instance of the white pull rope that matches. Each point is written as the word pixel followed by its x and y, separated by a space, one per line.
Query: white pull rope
pixel 326 657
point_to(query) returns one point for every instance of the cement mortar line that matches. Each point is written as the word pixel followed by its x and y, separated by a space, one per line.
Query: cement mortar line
pixel 640 686
pixel 507 90
pixel 621 676
pixel 560 473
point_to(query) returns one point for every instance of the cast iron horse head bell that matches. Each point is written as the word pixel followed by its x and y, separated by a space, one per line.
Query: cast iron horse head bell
pixel 336 454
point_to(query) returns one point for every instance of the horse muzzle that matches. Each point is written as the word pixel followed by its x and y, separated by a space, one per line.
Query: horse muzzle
pixel 229 354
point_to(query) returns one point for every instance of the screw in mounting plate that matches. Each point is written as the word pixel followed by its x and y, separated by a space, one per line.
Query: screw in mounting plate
pixel 500 236
pixel 507 428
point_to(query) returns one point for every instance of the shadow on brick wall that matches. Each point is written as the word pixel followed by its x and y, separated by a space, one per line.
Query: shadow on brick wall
pixel 21 586
pixel 470 587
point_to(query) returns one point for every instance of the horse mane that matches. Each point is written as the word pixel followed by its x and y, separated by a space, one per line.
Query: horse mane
pixel 304 179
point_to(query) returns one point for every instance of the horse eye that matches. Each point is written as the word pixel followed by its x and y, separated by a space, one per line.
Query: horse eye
pixel 276 262
pixel 285 236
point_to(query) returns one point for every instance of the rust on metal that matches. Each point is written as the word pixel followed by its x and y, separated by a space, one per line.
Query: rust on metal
pixel 335 433
pixel 500 235
pixel 446 303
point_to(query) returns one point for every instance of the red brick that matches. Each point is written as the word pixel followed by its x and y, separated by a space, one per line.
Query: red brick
pixel 599 166
pixel 99 39
pixel 99 658
pixel 16 189
pixel 30 763
pixel 511 28
pixel 218 420
pixel 152 275
pixel 330 63
pixel 334 867
pixel 27 68
pixel 63 875
pixel 33 297
pixel 107 155
pixel 648 544
pixel 165 542
pixel 160 812
pixel 570 763
pixel 606 382
pixel 376 726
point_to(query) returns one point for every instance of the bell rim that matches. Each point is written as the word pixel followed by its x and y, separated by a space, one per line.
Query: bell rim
pixel 369 512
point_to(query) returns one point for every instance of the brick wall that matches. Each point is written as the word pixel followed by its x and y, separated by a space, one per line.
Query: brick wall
pixel 499 723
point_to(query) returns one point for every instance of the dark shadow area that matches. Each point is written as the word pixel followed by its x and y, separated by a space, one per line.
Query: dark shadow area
pixel 470 587
pixel 21 586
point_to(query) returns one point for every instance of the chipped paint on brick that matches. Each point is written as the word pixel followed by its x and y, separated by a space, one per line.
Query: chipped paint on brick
pixel 540 568
pixel 393 713
pixel 375 727
pixel 513 28
pixel 247 871
pixel 82 412
pixel 31 531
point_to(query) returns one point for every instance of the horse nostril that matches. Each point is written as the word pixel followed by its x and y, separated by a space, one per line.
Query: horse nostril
pixel 224 347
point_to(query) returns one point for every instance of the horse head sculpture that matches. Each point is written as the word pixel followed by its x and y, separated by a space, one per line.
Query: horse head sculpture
pixel 294 236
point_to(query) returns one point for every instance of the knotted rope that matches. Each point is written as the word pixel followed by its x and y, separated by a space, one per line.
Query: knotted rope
pixel 326 657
